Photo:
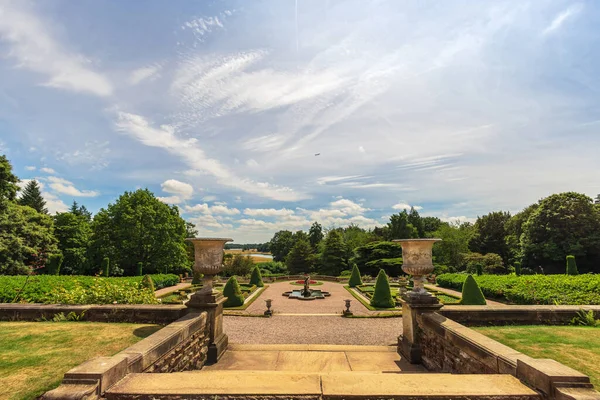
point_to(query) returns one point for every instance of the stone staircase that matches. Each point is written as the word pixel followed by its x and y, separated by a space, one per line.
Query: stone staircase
pixel 310 372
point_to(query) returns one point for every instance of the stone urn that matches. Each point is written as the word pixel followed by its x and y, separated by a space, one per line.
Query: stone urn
pixel 417 261
pixel 208 256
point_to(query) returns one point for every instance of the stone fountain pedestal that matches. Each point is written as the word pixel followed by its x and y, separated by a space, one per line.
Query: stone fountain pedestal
pixel 417 261
pixel 208 255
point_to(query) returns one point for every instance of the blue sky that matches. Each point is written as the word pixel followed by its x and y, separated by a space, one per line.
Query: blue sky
pixel 456 107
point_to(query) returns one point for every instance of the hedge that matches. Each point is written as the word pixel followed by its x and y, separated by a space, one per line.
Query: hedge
pixel 73 289
pixel 533 289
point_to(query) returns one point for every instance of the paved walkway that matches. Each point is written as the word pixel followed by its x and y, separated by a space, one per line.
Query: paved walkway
pixel 171 289
pixel 324 329
pixel 455 293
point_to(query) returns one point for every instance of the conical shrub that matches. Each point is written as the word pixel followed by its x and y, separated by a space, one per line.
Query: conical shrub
pixel 147 282
pixel 256 278
pixel 234 295
pixel 382 296
pixel 571 266
pixel 471 293
pixel 355 279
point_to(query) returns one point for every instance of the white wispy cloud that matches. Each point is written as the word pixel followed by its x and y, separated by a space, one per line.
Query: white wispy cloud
pixel 562 17
pixel 181 189
pixel 30 168
pixel 64 186
pixel 149 72
pixel 405 206
pixel 267 212
pixel 34 47
pixel 47 170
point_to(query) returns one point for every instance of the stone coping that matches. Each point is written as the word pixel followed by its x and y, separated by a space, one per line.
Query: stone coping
pixel 516 314
pixel 280 384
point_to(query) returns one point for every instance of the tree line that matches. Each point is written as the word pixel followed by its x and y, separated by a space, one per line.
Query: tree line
pixel 137 233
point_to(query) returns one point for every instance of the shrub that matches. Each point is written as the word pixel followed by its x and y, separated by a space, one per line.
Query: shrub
pixel 139 269
pixel 147 283
pixel 106 266
pixel 584 318
pixel 489 263
pixel 518 270
pixel 234 295
pixel 345 273
pixel 382 296
pixel 571 266
pixel 355 277
pixel 238 265
pixel 54 263
pixel 196 278
pixel 256 278
pixel 273 267
pixel 471 293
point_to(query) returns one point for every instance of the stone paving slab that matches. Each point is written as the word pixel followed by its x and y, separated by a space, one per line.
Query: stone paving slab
pixel 310 347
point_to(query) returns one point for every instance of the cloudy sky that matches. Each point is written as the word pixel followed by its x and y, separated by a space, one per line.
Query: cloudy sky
pixel 220 107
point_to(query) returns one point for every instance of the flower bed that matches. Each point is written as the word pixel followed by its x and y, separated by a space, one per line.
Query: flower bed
pixel 52 289
pixel 533 289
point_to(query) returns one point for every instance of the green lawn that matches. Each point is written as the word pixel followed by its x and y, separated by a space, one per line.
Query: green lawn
pixel 35 355
pixel 575 346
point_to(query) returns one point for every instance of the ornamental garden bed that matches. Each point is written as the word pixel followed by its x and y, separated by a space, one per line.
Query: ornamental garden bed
pixel 368 289
pixel 301 283
pixel 533 289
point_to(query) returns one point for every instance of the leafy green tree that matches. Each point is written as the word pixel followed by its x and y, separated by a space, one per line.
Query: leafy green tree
pixel 234 295
pixel 238 265
pixel 490 235
pixel 431 224
pixel 333 258
pixel 415 220
pixel 256 278
pixel 31 196
pixel 81 211
pixel 514 231
pixel 299 259
pixel 571 266
pixel 563 224
pixel 315 235
pixel 26 239
pixel 382 296
pixel 281 244
pixel 471 293
pixel 355 236
pixel 8 181
pixel 489 263
pixel 374 256
pixel 355 278
pixel 140 228
pixel 73 232
pixel 454 244
pixel 400 227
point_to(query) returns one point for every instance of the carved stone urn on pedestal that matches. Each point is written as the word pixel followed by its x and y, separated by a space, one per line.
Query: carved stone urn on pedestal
pixel 417 261
pixel 208 260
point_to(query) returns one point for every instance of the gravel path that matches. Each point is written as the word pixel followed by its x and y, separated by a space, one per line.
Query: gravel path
pixel 328 305
pixel 296 329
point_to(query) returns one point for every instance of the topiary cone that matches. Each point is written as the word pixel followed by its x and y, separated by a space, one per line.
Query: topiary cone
pixel 147 282
pixel 234 295
pixel 471 293
pixel 571 266
pixel 355 279
pixel 256 278
pixel 382 297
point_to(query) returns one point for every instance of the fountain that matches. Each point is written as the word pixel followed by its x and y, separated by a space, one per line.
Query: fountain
pixel 307 293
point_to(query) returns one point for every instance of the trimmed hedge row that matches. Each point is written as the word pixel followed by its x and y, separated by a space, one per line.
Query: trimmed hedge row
pixel 533 289
pixel 75 289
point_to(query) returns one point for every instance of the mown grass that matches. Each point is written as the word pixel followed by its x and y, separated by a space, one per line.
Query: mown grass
pixel 575 346
pixel 35 355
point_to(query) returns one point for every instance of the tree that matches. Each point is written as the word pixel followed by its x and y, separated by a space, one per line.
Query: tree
pixel 80 211
pixel 355 236
pixel 238 265
pixel 489 263
pixel 315 235
pixel 333 259
pixel 31 196
pixel 471 293
pixel 514 231
pixel 26 239
pixel 455 243
pixel 8 181
pixel 431 224
pixel 400 228
pixel 490 235
pixel 281 244
pixel 355 278
pixel 140 228
pixel 382 296
pixel 73 232
pixel 415 220
pixel 563 224
pixel 571 266
pixel 299 259
pixel 374 256
pixel 597 199
pixel 234 295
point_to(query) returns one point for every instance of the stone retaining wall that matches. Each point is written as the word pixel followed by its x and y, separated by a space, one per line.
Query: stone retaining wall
pixel 515 314
pixel 180 346
pixel 447 346
pixel 133 313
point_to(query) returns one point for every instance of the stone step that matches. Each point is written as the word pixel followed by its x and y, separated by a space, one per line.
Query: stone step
pixel 216 385
pixel 310 347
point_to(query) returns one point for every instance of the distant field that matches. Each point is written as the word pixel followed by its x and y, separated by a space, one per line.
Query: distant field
pixel 256 256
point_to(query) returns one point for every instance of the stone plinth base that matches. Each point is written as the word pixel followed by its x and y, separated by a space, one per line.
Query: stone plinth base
pixel 212 303
pixel 412 305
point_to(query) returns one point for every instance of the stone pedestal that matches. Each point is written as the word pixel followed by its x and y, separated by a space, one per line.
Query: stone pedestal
pixel 414 304
pixel 212 303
